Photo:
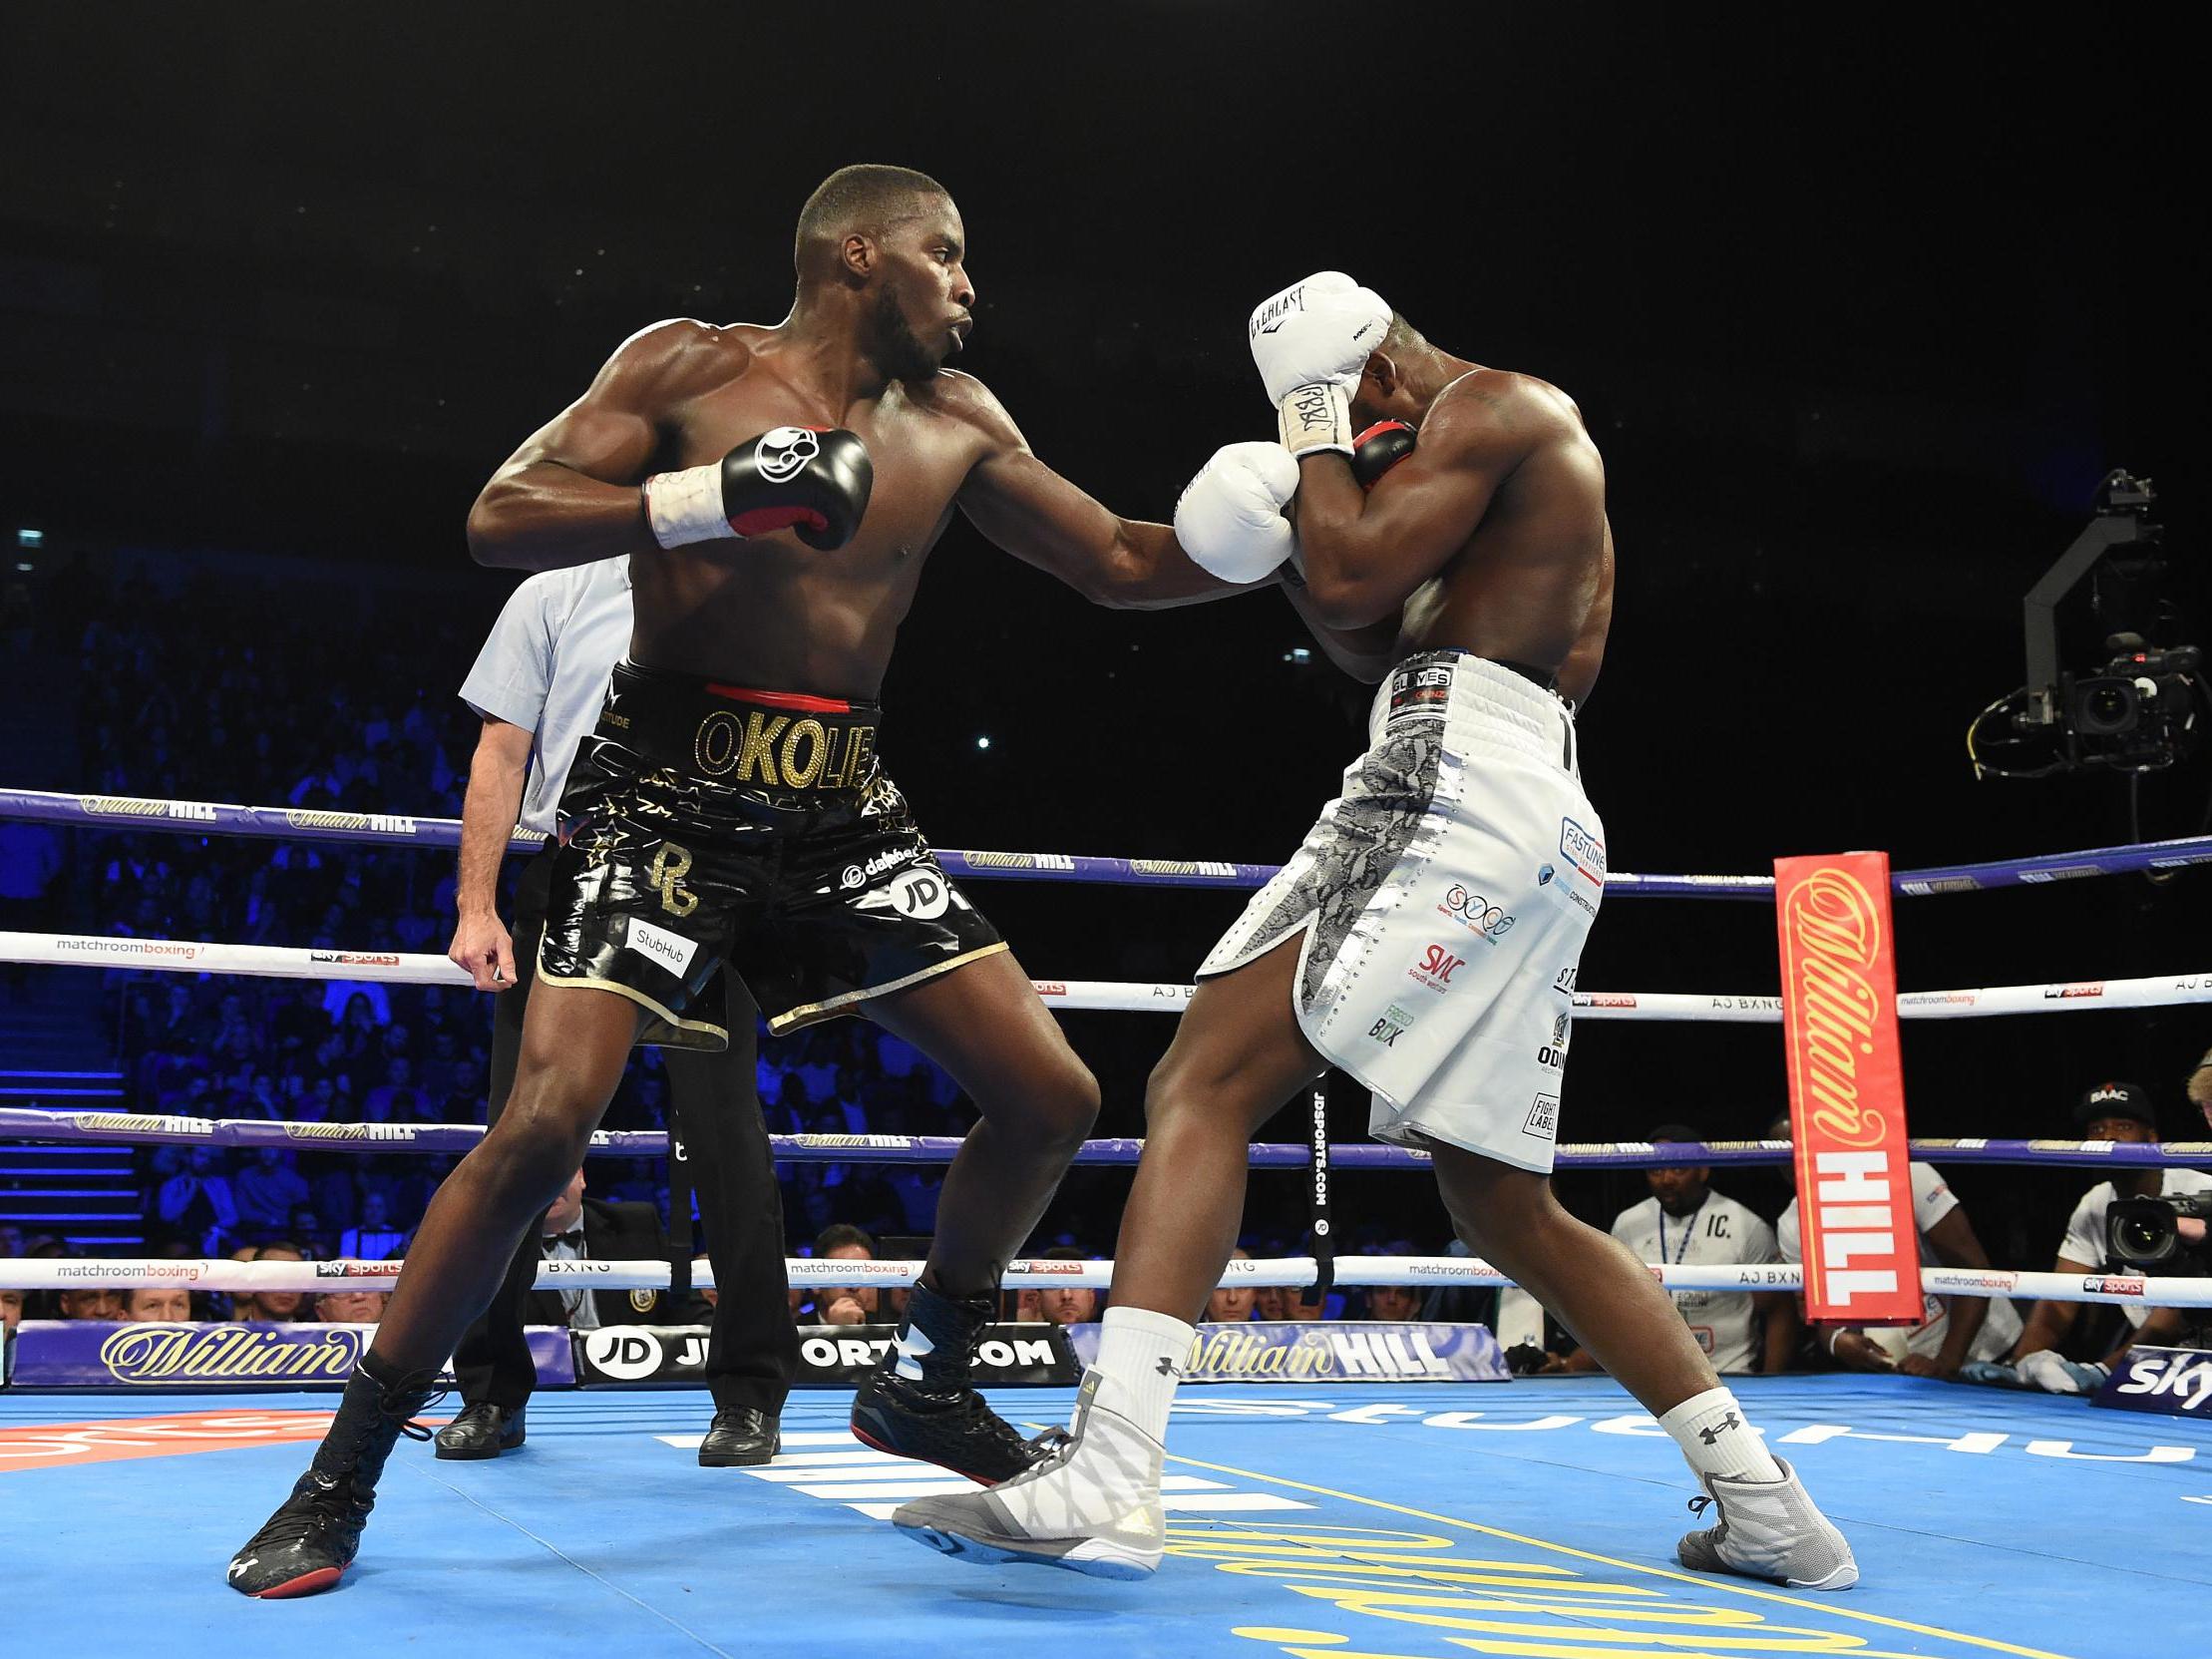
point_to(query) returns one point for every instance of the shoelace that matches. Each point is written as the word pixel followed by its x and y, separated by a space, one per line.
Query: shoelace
pixel 408 1425
pixel 1698 1506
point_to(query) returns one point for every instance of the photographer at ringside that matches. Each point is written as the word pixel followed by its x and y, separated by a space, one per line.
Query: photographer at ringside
pixel 2114 1111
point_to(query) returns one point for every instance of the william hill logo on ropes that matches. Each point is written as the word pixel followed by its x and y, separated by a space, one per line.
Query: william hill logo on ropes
pixel 1846 1088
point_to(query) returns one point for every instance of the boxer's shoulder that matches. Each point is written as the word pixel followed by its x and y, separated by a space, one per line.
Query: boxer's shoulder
pixel 965 401
pixel 1486 408
pixel 682 356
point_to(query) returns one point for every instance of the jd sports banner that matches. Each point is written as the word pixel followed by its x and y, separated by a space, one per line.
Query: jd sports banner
pixel 830 1356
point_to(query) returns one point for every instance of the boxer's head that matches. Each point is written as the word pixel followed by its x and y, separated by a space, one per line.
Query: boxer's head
pixel 891 238
pixel 1393 386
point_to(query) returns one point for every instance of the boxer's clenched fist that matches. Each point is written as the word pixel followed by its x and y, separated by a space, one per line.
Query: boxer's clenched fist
pixel 1230 520
pixel 1309 343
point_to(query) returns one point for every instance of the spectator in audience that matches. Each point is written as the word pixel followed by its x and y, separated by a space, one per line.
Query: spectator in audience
pixel 171 1304
pixel 11 1311
pixel 198 1201
pixel 268 1191
pixel 11 1239
pixel 350 1307
pixel 1399 1304
pixel 272 1306
pixel 2059 1348
pixel 581 1227
pixel 1279 1302
pixel 375 1238
pixel 1066 1304
pixel 105 1303
pixel 1686 1223
pixel 395 1100
pixel 844 1303
pixel 1231 1304
pixel 817 1069
pixel 1954 1329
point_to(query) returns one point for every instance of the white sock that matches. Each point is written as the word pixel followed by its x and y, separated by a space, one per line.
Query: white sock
pixel 1141 1356
pixel 1712 1431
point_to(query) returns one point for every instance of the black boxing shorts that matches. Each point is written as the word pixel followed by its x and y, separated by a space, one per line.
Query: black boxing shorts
pixel 704 826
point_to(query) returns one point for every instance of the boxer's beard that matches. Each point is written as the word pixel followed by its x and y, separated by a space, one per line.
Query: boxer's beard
pixel 899 351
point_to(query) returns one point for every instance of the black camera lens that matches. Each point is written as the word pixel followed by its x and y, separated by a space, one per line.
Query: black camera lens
pixel 2106 707
pixel 2141 1230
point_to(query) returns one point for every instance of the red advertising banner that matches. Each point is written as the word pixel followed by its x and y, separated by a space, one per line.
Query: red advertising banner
pixel 1847 1090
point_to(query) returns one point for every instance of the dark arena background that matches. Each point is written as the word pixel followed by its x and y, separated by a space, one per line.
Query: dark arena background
pixel 1862 307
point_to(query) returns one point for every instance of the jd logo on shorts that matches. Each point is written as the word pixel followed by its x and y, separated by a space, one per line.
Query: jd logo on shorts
pixel 670 865
pixel 920 894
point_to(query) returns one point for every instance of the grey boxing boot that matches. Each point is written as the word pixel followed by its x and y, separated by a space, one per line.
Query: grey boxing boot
pixel 1768 1530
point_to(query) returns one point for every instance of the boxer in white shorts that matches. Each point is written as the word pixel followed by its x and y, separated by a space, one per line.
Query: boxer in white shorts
pixel 1424 937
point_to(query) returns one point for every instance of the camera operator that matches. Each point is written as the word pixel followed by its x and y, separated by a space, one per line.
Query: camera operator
pixel 2114 1111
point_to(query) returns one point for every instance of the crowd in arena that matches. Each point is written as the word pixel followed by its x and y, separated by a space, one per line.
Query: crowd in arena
pixel 202 690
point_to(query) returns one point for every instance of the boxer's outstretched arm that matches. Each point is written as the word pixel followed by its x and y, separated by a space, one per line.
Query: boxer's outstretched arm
pixel 569 495
pixel 1029 510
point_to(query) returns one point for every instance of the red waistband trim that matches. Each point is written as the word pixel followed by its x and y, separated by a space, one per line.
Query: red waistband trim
pixel 784 699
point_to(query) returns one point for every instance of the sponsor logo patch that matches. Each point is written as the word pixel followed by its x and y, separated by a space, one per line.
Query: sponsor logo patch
pixel 923 895
pixel 669 949
pixel 1543 1118
pixel 1436 968
pixel 1395 1024
pixel 1583 851
pixel 1475 912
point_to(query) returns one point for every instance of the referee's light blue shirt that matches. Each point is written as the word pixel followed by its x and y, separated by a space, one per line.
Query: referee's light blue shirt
pixel 546 666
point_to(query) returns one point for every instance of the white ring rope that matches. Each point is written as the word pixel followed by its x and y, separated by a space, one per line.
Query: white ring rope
pixel 1093 995
pixel 124 1273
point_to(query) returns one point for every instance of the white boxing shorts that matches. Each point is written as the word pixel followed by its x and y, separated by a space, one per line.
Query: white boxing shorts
pixel 1444 897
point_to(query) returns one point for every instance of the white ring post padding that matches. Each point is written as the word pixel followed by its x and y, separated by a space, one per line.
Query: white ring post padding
pixel 1094 996
pixel 119 1273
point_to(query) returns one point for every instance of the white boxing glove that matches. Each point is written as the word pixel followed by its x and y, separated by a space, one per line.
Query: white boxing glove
pixel 1230 520
pixel 1309 343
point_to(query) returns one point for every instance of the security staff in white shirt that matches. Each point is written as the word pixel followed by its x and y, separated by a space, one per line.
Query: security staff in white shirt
pixel 1686 1223
pixel 2114 1111
pixel 1954 1329
pixel 538 685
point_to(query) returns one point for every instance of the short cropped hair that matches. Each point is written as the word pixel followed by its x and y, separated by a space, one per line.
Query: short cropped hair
pixel 866 196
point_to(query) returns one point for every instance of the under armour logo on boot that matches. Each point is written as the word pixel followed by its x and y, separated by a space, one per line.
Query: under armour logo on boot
pixel 913 1345
pixel 1709 1435
pixel 1167 1367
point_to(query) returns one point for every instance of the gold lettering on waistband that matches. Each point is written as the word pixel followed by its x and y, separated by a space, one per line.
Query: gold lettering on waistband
pixel 760 732
pixel 671 864
pixel 817 751
pixel 715 745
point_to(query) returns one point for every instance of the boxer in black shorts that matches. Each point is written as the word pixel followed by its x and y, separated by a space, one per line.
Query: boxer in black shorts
pixel 776 491
pixel 705 824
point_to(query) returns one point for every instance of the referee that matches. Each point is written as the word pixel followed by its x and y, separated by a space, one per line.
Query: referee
pixel 538 685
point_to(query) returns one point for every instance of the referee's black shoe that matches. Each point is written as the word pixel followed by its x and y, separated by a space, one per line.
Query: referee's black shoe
pixel 741 1437
pixel 484 1430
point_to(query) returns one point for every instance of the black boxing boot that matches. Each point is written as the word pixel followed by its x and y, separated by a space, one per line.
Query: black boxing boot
pixel 920 1404
pixel 311 1539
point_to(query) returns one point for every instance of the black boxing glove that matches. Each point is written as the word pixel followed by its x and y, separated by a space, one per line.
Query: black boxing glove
pixel 1378 449
pixel 813 481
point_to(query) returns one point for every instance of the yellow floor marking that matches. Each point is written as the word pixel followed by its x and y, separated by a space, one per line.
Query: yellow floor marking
pixel 1830 1605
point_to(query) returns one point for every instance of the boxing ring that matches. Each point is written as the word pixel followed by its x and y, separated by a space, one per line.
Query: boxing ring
pixel 1322 1518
